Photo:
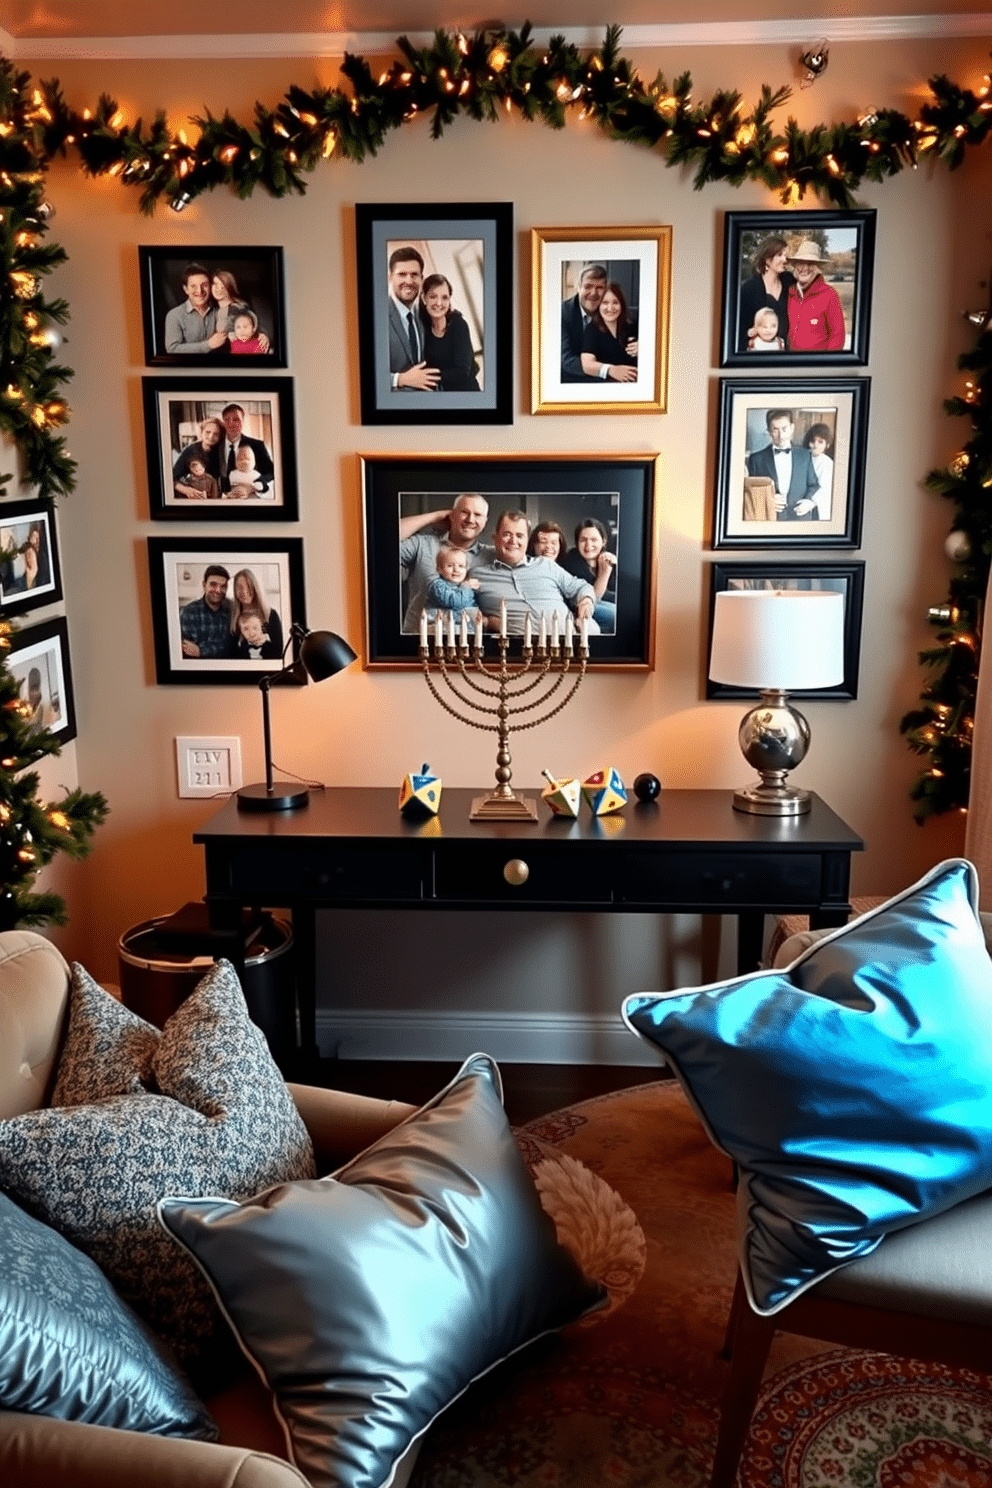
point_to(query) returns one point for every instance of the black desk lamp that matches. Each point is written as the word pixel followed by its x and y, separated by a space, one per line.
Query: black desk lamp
pixel 321 654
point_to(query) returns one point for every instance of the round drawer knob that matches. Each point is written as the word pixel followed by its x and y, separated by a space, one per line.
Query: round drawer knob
pixel 516 872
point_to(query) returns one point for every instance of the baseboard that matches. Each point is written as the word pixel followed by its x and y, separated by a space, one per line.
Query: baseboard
pixel 519 1038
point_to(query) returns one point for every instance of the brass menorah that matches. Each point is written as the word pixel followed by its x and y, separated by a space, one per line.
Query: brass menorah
pixel 506 692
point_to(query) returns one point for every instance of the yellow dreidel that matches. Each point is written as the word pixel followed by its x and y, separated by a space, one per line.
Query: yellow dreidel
pixel 604 791
pixel 562 796
pixel 420 795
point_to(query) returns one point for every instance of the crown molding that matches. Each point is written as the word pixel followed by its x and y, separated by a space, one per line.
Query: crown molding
pixel 335 43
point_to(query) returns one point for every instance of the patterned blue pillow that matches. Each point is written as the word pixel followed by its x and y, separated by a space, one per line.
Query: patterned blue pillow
pixel 854 1087
pixel 70 1348
pixel 369 1300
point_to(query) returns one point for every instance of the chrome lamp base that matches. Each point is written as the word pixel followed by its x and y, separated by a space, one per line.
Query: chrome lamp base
pixel 774 738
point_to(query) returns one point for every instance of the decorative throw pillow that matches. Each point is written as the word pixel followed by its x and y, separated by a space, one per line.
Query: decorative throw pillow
pixel 854 1087
pixel 369 1300
pixel 70 1348
pixel 220 1121
pixel 108 1050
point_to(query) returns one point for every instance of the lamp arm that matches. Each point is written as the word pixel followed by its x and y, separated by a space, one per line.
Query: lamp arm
pixel 263 688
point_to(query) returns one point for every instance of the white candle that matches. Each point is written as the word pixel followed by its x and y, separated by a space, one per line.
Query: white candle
pixel 478 632
pixel 554 631
pixel 584 635
pixel 451 629
pixel 502 617
pixel 527 632
pixel 464 635
pixel 438 632
pixel 569 631
pixel 423 630
pixel 543 633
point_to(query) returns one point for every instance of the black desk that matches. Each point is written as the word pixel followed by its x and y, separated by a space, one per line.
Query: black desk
pixel 689 852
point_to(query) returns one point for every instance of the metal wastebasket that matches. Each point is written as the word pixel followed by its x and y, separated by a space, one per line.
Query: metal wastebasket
pixel 155 977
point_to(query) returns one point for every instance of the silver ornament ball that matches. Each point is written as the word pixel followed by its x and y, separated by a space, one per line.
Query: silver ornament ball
pixel 957 546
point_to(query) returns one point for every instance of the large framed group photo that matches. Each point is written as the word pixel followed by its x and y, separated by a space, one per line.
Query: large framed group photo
pixel 797 288
pixel 213 304
pixel 435 312
pixel 220 449
pixel 600 319
pixel 223 612
pixel 507 538
pixel 791 462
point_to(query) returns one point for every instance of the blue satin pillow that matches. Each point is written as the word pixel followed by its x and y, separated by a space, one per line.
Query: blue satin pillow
pixel 369 1300
pixel 854 1087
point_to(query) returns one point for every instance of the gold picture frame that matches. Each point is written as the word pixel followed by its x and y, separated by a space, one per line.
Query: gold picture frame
pixel 637 265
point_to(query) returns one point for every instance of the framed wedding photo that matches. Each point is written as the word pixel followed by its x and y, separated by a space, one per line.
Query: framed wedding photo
pixel 791 463
pixel 220 449
pixel 600 319
pixel 222 612
pixel 208 306
pixel 30 572
pixel 797 288
pixel 839 578
pixel 582 516
pixel 39 661
pixel 435 313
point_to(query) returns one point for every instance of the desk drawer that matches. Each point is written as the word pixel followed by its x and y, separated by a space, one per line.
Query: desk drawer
pixel 493 872
pixel 331 873
pixel 781 880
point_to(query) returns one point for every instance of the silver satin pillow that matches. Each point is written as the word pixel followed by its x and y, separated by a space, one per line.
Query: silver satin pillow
pixel 371 1299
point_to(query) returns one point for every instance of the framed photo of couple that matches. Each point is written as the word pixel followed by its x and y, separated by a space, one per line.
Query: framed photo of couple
pixel 222 612
pixel 791 463
pixel 797 288
pixel 847 579
pixel 220 449
pixel 435 313
pixel 30 574
pixel 213 305
pixel 39 662
pixel 432 523
pixel 600 319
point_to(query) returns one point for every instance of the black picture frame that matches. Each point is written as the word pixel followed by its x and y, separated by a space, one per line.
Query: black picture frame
pixel 45 647
pixel 831 409
pixel 845 578
pixel 259 281
pixel 617 489
pixel 27 582
pixel 471 246
pixel 176 568
pixel 176 408
pixel 848 238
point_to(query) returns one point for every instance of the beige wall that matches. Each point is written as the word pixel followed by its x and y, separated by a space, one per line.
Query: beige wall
pixel 933 247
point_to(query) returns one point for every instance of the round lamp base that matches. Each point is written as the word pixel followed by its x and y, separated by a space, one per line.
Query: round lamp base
pixel 280 798
pixel 774 800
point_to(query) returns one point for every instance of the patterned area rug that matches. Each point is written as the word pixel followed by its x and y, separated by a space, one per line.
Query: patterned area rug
pixel 630 1397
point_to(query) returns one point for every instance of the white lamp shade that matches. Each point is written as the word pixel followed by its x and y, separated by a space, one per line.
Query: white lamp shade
pixel 778 638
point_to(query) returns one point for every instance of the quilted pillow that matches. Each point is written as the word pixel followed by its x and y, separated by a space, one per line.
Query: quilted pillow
pixel 369 1300
pixel 70 1348
pixel 853 1087
pixel 220 1121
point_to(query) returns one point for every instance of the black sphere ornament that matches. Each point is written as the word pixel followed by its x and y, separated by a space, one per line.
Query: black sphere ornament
pixel 647 787
pixel 814 62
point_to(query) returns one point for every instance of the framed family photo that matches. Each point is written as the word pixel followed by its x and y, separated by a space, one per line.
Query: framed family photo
pixel 847 579
pixel 791 463
pixel 435 313
pixel 213 305
pixel 30 572
pixel 580 529
pixel 222 613
pixel 797 288
pixel 600 321
pixel 39 662
pixel 220 449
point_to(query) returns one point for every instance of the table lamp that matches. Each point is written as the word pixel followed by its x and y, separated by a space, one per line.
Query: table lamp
pixel 320 654
pixel 776 640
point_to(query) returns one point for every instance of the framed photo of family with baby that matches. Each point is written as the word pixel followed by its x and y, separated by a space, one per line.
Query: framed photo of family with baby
pixel 475 542
pixel 435 313
pixel 30 572
pixel 223 612
pixel 220 449
pixel 791 462
pixel 797 288
pixel 600 319
pixel 207 306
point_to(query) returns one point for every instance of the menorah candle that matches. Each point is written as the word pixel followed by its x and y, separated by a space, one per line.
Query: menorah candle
pixel 569 631
pixel 584 635
pixel 502 617
pixel 451 629
pixel 543 633
pixel 463 640
pixel 478 632
pixel 528 638
pixel 423 630
pixel 438 631
pixel 555 634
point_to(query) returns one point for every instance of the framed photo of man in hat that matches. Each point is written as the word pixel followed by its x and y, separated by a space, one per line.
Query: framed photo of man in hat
pixel 797 288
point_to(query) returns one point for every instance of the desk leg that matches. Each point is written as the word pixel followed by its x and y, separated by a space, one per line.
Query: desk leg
pixel 305 943
pixel 750 940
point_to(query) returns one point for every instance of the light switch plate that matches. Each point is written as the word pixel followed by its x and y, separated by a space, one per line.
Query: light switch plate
pixel 208 766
